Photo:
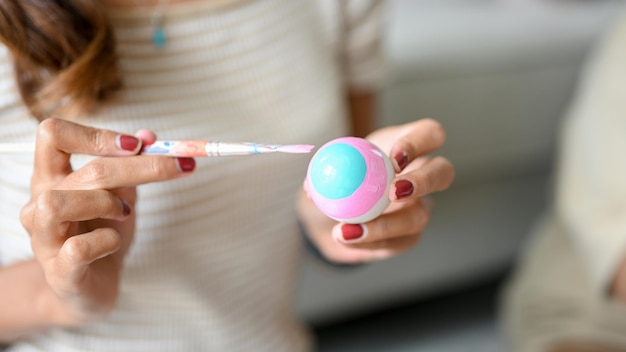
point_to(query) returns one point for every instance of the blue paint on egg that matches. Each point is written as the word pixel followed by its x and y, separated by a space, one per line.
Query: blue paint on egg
pixel 337 171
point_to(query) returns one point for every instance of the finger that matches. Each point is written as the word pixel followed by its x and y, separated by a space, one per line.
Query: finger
pixel 58 139
pixel 417 138
pixel 79 251
pixel 112 173
pixel 367 252
pixel 55 210
pixel 147 137
pixel 410 220
pixel 434 175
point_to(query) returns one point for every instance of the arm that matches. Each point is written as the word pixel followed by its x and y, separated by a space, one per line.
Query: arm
pixel 362 112
pixel 591 191
pixel 27 303
pixel 362 59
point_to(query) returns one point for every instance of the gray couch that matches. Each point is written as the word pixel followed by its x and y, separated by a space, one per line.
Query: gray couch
pixel 498 75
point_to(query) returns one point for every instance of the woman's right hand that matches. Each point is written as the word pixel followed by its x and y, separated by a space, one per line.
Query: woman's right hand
pixel 82 222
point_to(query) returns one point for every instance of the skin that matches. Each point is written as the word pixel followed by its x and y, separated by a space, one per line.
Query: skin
pixel 400 227
pixel 80 228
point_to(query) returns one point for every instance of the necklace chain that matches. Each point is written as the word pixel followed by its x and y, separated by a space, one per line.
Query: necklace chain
pixel 157 20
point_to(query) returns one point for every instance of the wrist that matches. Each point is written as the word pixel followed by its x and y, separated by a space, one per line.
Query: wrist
pixel 29 306
pixel 73 311
pixel 53 310
pixel 49 309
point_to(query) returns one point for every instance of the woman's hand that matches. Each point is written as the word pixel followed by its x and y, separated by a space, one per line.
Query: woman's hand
pixel 82 222
pixel 399 228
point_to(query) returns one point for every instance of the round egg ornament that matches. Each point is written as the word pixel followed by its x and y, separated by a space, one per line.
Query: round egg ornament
pixel 348 179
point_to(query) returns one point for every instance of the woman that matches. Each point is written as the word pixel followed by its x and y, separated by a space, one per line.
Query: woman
pixel 214 255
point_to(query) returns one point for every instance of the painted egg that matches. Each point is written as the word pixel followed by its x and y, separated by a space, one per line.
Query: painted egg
pixel 348 180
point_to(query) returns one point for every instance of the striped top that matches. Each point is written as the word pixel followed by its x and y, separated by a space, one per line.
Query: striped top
pixel 214 264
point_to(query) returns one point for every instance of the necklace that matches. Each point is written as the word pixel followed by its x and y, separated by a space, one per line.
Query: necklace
pixel 157 20
pixel 159 37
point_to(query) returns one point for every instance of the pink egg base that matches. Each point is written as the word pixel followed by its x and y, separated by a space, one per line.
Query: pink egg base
pixel 370 199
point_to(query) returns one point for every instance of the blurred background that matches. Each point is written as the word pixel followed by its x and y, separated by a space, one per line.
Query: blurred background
pixel 499 75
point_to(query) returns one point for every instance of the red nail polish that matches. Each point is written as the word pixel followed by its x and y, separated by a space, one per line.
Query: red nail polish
pixel 351 232
pixel 404 188
pixel 402 159
pixel 186 164
pixel 126 142
pixel 125 208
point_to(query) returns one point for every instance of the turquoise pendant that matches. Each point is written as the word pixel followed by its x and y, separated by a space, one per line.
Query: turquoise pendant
pixel 158 37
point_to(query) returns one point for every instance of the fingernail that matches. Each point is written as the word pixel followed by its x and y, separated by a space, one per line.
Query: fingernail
pixel 125 208
pixel 352 232
pixel 402 160
pixel 186 164
pixel 404 188
pixel 127 142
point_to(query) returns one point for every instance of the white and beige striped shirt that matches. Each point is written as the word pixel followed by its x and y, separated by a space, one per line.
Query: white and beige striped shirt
pixel 215 259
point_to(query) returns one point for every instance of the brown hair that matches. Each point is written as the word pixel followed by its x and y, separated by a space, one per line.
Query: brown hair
pixel 64 52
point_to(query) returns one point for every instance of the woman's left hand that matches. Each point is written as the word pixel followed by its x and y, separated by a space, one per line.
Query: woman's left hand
pixel 400 227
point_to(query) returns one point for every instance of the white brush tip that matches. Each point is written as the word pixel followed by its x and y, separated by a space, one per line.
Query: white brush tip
pixel 296 148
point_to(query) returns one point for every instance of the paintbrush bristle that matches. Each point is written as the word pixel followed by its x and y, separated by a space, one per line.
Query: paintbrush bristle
pixel 295 148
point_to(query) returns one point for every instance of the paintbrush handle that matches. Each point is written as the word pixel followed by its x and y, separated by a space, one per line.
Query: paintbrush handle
pixel 188 148
pixel 206 148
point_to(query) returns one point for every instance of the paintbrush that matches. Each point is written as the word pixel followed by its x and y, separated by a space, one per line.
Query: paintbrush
pixel 191 148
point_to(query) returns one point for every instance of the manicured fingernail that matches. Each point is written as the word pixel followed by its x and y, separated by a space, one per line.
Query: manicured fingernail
pixel 404 188
pixel 186 164
pixel 402 160
pixel 125 208
pixel 352 232
pixel 127 142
